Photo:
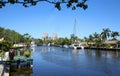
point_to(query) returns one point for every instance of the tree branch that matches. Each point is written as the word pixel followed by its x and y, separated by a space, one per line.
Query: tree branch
pixel 57 3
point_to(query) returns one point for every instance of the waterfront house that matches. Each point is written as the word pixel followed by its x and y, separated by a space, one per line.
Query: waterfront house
pixel 111 43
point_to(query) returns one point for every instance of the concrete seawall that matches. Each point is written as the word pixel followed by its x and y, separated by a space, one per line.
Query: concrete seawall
pixel 101 48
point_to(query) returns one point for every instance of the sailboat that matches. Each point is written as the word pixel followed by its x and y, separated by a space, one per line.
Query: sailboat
pixel 76 44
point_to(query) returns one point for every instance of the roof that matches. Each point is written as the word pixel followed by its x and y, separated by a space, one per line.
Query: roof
pixel 111 42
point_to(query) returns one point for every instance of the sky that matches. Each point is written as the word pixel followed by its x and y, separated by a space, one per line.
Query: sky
pixel 45 18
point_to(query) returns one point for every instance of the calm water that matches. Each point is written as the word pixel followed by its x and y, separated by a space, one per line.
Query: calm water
pixel 56 61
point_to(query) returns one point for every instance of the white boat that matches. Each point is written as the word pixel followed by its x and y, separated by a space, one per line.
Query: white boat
pixel 76 45
pixel 66 46
pixel 32 46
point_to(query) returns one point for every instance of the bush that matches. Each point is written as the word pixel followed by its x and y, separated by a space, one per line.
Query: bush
pixel 108 45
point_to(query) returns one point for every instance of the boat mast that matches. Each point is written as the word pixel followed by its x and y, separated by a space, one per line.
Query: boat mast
pixel 74 28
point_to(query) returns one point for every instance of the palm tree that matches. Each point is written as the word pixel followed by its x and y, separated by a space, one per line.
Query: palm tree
pixel 114 35
pixel 96 36
pixel 91 40
pixel 91 37
pixel 97 39
pixel 86 40
pixel 105 34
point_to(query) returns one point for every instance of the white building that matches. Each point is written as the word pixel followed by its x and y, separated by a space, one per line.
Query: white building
pixel 44 36
pixel 54 36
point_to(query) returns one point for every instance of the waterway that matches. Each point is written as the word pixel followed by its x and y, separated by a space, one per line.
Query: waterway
pixel 57 61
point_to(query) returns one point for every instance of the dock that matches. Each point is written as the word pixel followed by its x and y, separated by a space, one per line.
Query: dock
pixel 19 65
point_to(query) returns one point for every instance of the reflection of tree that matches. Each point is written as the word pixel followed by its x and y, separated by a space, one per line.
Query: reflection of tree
pixel 98 53
pixel 88 52
pixel 62 58
pixel 71 58
pixel 114 54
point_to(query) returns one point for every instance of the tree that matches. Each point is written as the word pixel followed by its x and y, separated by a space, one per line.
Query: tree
pixel 1 32
pixel 114 35
pixel 69 3
pixel 27 38
pixel 96 36
pixel 90 37
pixel 105 34
pixel 97 39
pixel 87 40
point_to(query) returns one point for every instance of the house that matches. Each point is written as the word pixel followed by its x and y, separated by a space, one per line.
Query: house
pixel 112 43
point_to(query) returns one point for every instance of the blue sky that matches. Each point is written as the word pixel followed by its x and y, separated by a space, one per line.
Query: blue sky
pixel 44 18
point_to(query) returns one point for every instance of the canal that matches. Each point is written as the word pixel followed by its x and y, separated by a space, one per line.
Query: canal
pixel 57 61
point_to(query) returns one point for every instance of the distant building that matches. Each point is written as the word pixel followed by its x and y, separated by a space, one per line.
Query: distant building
pixel 54 36
pixel 44 36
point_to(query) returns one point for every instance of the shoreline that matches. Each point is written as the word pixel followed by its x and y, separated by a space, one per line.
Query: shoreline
pixel 101 48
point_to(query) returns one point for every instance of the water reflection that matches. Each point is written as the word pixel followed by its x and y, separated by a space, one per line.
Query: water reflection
pixel 102 53
pixel 72 58
pixel 61 61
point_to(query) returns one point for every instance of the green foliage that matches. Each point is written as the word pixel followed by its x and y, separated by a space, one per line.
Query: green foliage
pixel 99 39
pixel 12 37
pixel 38 41
pixel 69 3
pixel 5 46
pixel 1 53
pixel 105 34
pixel 108 45
pixel 63 41
pixel 57 5
pixel 114 35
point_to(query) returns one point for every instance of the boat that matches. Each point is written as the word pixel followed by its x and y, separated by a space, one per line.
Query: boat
pixel 76 45
pixel 32 45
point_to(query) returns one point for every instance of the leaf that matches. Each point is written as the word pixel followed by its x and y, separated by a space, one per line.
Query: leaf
pixel 69 5
pixel 84 1
pixel 0 6
pixel 24 4
pixel 73 8
pixel 12 1
pixel 3 4
pixel 57 5
pixel 33 3
pixel 63 1
pixel 85 7
pixel 75 1
pixel 79 5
